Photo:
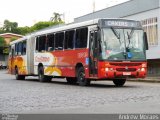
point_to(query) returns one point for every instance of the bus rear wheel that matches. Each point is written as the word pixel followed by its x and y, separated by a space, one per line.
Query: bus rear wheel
pixel 19 77
pixel 42 77
pixel 82 81
pixel 119 82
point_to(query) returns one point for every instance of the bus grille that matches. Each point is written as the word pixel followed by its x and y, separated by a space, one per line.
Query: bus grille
pixel 126 70
pixel 126 64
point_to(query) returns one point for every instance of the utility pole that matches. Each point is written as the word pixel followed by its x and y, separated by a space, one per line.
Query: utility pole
pixel 93 6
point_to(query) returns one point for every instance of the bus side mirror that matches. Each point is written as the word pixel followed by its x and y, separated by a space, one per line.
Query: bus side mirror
pixel 146 40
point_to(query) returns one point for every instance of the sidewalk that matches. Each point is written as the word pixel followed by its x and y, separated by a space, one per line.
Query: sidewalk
pixel 147 79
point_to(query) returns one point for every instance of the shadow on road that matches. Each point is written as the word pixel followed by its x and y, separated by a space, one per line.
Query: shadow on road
pixel 92 85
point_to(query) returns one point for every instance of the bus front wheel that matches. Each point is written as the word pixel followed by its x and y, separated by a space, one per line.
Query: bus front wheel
pixel 82 81
pixel 119 82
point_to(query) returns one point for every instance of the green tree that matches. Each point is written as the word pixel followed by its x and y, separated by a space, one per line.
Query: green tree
pixel 24 30
pixel 2 42
pixel 1 30
pixel 13 26
pixel 43 24
pixel 56 17
pixel 10 26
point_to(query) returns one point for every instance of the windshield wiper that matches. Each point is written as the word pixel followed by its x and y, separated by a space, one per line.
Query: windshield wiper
pixel 116 34
pixel 130 36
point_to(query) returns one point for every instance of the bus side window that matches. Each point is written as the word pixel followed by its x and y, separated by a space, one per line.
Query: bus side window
pixel 12 52
pixel 69 39
pixel 37 43
pixel 20 46
pixel 40 43
pixel 59 39
pixel 24 48
pixel 50 42
pixel 16 49
pixel 81 38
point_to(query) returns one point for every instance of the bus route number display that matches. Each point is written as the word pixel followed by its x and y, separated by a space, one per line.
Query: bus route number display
pixel 121 23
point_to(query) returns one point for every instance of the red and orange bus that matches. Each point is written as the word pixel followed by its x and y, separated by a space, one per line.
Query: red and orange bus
pixel 100 49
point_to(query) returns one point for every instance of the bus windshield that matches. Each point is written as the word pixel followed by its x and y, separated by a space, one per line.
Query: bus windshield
pixel 122 44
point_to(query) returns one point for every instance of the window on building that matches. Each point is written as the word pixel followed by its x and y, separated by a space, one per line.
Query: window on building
pixel 81 38
pixel 150 26
pixel 59 38
pixel 69 39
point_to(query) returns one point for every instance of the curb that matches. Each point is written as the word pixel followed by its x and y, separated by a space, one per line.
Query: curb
pixel 145 80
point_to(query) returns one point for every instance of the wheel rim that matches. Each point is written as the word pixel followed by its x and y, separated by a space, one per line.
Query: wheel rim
pixel 40 75
pixel 16 73
pixel 81 77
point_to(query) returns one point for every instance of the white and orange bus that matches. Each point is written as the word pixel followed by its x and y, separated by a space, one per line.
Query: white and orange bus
pixel 100 49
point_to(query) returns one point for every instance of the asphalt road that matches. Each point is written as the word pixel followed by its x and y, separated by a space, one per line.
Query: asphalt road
pixel 31 96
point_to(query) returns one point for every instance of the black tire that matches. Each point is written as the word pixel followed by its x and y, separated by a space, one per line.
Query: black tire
pixel 119 82
pixel 82 81
pixel 42 77
pixel 48 78
pixel 71 80
pixel 19 77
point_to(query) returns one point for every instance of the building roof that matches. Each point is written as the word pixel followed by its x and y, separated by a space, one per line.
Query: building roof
pixel 11 34
pixel 122 10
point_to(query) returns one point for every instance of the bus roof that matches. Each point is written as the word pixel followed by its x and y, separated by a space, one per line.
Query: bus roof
pixel 64 27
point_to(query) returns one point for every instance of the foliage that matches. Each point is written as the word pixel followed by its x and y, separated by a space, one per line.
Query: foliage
pixel 2 42
pixel 13 26
pixel 6 50
pixel 10 26
pixel 41 25
pixel 1 31
pixel 56 17
pixel 23 30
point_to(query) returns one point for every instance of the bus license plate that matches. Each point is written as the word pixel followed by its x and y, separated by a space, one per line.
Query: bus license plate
pixel 126 73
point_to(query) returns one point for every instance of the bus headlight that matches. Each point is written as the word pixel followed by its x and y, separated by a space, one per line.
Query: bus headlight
pixel 106 69
pixel 142 69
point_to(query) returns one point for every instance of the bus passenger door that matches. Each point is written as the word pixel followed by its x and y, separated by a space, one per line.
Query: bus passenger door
pixel 93 54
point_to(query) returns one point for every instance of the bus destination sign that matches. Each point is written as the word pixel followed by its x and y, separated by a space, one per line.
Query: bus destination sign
pixel 120 23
